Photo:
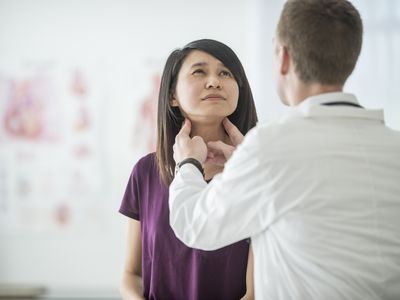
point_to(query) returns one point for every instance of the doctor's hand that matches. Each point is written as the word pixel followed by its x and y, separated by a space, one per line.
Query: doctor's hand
pixel 219 152
pixel 186 147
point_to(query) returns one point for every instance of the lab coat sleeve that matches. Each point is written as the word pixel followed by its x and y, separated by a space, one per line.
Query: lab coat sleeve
pixel 234 206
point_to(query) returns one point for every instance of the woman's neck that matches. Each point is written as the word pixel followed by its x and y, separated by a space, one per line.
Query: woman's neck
pixel 213 131
pixel 210 131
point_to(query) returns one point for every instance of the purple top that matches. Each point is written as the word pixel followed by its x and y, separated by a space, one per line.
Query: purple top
pixel 171 270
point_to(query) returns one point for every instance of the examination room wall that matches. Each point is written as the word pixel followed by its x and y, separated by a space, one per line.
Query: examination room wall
pixel 78 92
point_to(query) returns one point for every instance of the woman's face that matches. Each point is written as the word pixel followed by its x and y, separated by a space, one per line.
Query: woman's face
pixel 205 88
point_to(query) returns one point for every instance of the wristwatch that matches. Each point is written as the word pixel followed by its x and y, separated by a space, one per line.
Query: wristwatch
pixel 192 161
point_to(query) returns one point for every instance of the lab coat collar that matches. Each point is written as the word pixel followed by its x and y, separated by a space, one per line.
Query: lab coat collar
pixel 329 97
pixel 312 107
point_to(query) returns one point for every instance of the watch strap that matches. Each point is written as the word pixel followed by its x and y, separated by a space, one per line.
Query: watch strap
pixel 192 161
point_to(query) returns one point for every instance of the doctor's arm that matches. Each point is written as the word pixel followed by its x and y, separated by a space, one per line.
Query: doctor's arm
pixel 229 209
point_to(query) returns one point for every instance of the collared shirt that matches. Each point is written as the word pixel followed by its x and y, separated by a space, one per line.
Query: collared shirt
pixel 318 192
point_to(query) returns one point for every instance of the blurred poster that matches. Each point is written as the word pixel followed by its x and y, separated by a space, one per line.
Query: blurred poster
pixel 146 119
pixel 52 167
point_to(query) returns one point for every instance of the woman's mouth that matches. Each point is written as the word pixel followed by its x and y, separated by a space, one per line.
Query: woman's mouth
pixel 214 97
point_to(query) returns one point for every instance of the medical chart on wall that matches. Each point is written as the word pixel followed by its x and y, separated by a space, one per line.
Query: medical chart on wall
pixel 146 118
pixel 54 143
pixel 51 159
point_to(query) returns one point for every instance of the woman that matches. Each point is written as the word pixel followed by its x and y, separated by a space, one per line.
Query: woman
pixel 204 82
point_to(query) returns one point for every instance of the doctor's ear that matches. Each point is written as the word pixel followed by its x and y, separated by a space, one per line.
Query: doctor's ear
pixel 284 60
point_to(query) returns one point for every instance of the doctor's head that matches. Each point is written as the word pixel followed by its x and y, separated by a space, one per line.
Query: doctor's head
pixel 317 41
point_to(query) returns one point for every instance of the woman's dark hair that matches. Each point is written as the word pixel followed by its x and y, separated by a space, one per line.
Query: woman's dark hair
pixel 170 119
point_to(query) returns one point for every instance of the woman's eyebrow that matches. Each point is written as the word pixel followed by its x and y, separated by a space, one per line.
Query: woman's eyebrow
pixel 202 64
pixel 199 64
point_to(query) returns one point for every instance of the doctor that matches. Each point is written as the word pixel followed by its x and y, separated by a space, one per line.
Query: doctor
pixel 318 190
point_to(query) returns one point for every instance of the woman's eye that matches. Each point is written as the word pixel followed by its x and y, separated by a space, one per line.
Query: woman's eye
pixel 198 71
pixel 226 74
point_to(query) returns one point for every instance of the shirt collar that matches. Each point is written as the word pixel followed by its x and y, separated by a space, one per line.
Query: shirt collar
pixel 328 97
pixel 311 107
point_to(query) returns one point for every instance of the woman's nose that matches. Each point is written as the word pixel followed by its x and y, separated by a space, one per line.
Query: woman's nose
pixel 213 82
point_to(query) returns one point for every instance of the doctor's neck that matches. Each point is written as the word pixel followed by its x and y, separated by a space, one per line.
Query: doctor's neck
pixel 300 91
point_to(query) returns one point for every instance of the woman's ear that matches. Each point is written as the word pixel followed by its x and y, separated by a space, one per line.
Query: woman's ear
pixel 174 102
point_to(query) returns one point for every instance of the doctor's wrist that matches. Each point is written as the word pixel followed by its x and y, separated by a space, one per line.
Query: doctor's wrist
pixel 192 161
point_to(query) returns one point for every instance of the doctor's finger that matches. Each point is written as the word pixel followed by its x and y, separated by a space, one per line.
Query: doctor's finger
pixel 234 133
pixel 184 133
pixel 186 127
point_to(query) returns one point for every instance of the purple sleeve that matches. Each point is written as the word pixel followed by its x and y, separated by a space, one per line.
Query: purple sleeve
pixel 130 205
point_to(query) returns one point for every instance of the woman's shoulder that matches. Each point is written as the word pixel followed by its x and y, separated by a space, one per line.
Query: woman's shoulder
pixel 147 161
pixel 146 165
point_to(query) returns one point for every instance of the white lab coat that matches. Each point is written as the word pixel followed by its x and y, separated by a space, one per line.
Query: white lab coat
pixel 318 192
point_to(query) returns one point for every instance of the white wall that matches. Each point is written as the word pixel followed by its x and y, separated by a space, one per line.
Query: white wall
pixel 262 20
pixel 377 74
pixel 121 44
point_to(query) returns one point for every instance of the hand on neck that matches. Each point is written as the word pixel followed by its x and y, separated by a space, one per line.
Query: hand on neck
pixel 210 129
